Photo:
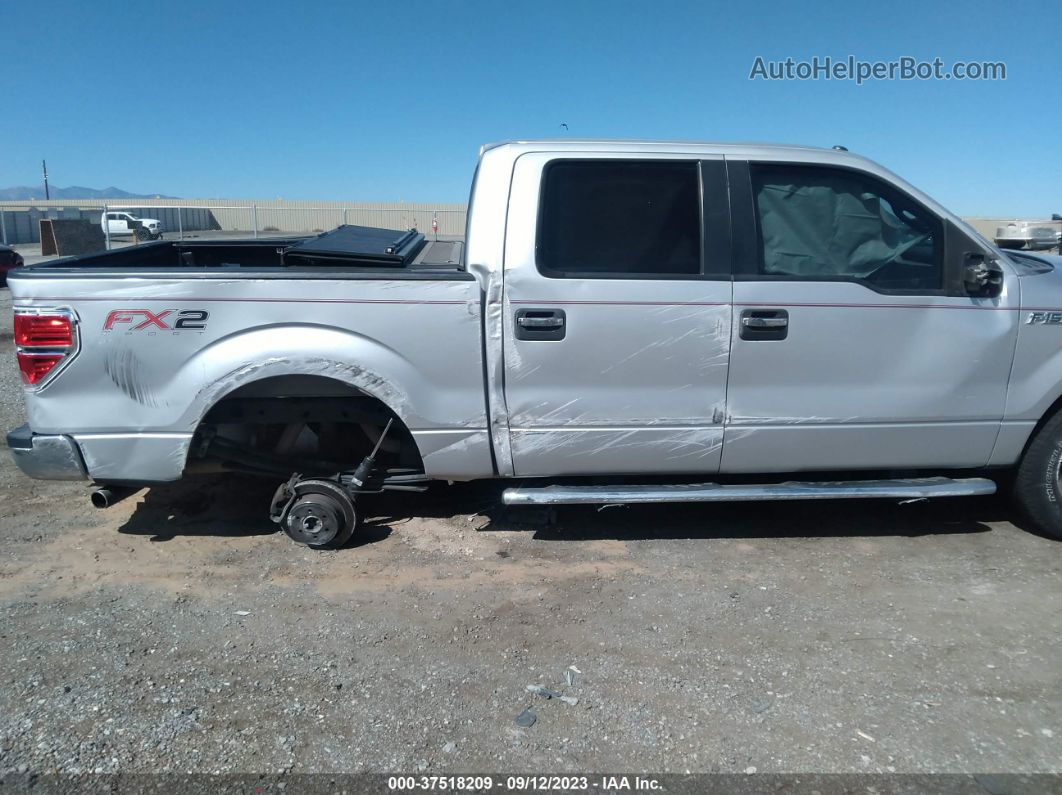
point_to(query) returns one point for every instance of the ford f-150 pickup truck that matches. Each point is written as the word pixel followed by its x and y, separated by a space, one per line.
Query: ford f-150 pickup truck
pixel 639 321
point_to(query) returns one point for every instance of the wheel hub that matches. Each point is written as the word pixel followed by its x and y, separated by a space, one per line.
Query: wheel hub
pixel 321 514
pixel 315 519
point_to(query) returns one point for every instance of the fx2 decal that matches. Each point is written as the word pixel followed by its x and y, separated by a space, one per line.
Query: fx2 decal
pixel 145 320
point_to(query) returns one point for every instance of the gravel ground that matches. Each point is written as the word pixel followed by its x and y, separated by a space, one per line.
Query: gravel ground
pixel 178 632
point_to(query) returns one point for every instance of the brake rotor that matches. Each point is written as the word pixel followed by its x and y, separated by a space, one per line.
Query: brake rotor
pixel 321 514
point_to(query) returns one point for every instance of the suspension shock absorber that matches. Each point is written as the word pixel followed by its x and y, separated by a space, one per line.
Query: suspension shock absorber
pixel 368 465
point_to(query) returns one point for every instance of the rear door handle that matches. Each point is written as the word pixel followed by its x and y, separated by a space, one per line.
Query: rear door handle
pixel 764 324
pixel 540 324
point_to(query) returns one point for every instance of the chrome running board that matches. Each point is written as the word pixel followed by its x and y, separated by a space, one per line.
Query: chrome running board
pixel 912 489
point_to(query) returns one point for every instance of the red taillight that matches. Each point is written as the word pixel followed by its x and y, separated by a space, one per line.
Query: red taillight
pixel 43 331
pixel 35 366
pixel 43 340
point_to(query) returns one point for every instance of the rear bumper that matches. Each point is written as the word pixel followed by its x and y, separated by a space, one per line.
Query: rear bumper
pixel 46 457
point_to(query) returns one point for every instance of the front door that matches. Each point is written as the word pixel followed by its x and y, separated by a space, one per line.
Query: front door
pixel 851 346
pixel 617 314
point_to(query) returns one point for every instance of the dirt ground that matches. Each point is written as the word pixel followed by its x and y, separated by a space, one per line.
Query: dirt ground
pixel 177 631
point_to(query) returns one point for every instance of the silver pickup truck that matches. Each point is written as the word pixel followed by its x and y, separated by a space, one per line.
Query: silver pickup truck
pixel 636 321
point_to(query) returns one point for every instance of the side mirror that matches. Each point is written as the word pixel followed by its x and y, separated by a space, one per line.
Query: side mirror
pixel 981 277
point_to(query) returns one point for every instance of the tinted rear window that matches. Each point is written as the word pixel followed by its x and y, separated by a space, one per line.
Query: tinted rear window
pixel 619 217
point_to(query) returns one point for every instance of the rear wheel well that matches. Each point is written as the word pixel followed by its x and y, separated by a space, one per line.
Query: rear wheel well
pixel 310 424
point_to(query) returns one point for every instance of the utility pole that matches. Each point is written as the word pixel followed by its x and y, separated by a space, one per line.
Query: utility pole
pixel 44 165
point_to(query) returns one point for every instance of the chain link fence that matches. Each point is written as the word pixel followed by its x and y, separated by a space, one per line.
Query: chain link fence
pixel 201 219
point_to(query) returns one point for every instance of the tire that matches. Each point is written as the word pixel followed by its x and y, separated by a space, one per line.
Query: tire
pixel 1038 482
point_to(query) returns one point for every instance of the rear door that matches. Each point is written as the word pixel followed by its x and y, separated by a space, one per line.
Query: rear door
pixel 617 317
pixel 854 345
pixel 117 223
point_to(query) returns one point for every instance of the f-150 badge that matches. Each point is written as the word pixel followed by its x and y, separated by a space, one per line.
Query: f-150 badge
pixel 1045 318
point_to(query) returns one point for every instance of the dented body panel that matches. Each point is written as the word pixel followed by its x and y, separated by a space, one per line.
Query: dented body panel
pixel 650 376
pixel 637 385
pixel 133 397
pixel 866 380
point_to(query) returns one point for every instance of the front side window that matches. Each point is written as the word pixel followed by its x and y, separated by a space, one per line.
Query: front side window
pixel 619 218
pixel 818 223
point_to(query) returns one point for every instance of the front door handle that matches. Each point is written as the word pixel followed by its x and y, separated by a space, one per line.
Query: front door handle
pixel 764 324
pixel 540 324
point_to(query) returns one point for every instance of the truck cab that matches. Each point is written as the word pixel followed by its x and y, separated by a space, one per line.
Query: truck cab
pixel 737 309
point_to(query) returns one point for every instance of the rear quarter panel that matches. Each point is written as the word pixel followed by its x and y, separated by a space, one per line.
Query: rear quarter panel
pixel 413 344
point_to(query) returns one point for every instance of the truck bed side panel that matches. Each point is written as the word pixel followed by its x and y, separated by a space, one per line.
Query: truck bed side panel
pixel 137 390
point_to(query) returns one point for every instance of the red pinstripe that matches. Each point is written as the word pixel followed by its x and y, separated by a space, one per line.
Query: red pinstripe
pixel 547 302
pixel 551 302
pixel 168 300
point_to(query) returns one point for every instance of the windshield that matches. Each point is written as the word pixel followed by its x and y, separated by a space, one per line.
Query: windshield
pixel 1027 264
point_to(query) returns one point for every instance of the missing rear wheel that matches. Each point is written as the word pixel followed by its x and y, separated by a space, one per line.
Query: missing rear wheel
pixel 322 515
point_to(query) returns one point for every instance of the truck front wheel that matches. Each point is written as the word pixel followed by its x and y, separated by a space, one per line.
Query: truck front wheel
pixel 1038 485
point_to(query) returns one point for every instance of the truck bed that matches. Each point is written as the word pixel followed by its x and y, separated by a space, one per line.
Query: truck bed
pixel 168 332
pixel 363 251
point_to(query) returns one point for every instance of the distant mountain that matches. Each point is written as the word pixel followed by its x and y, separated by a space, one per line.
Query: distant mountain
pixel 22 193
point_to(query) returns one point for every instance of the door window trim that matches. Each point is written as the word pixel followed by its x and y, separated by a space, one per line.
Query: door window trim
pixel 745 225
pixel 713 212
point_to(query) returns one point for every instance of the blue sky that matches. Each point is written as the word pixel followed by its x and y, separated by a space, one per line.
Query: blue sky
pixel 387 101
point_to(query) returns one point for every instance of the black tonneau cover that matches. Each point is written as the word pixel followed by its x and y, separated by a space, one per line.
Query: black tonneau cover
pixel 369 252
pixel 368 244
